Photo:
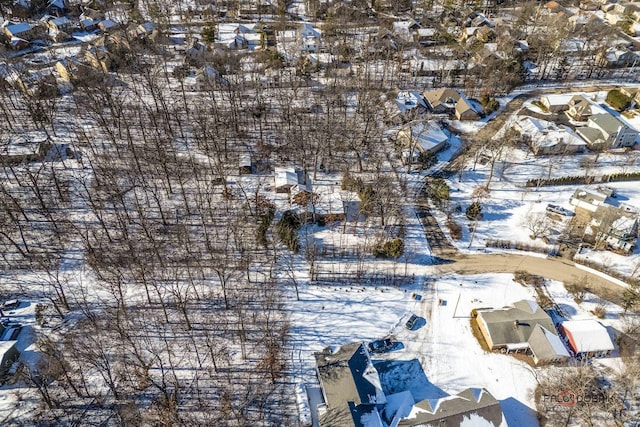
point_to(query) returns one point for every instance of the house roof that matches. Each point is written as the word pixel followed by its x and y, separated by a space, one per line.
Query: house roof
pixel 286 176
pixel 426 135
pixel 595 197
pixel 543 133
pixel 407 100
pixel 23 145
pixel 63 20
pixel 455 409
pixel 463 105
pixel 309 30
pixel 546 345
pixel 588 335
pixel 441 96
pixel 607 122
pixel 623 221
pixel 581 104
pixel 512 326
pixel 349 380
pixel 6 346
pixel 591 135
pixel 19 28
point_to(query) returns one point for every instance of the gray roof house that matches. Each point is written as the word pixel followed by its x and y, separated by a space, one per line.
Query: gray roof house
pixel 350 385
pixel 354 396
pixel 606 129
pixel 517 328
pixel 546 346
pixel 474 405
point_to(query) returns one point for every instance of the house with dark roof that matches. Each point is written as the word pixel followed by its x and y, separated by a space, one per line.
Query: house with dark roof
pixel 450 101
pixel 511 329
pixel 350 386
pixel 354 396
pixel 608 131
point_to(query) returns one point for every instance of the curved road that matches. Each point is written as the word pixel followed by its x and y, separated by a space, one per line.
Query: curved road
pixel 552 268
pixel 560 269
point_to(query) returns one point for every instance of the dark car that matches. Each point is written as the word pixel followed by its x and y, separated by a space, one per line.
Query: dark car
pixel 380 346
pixel 412 322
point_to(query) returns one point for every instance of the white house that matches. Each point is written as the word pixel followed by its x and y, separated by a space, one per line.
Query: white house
pixel 546 137
pixel 421 137
pixel 310 38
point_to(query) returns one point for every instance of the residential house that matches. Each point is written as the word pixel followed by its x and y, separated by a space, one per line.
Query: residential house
pixel 618 56
pixel 354 395
pixel 69 68
pixel 426 36
pixel 510 329
pixel 631 92
pixel 581 108
pixel 554 103
pixel 238 36
pixel 88 24
pixel 206 77
pixel 108 25
pixel 408 100
pixel 587 338
pixel 22 30
pixel 60 24
pixel 310 38
pixel 547 138
pixel 25 148
pixel 547 347
pixel 99 58
pixel 608 131
pixel 57 7
pixel 451 101
pixel 616 227
pixel 145 31
pixel 245 165
pixel 612 224
pixel 420 137
pixel 8 355
pixel 405 29
pixel 287 179
pixel 37 84
pixel 590 199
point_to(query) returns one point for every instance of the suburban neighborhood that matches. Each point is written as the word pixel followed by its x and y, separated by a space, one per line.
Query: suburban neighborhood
pixel 319 213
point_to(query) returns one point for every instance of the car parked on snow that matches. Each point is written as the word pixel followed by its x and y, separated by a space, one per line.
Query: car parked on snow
pixel 559 210
pixel 412 322
pixel 380 346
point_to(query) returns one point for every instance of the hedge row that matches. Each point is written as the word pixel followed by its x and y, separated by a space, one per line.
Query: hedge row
pixel 519 246
pixel 629 176
pixel 563 180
